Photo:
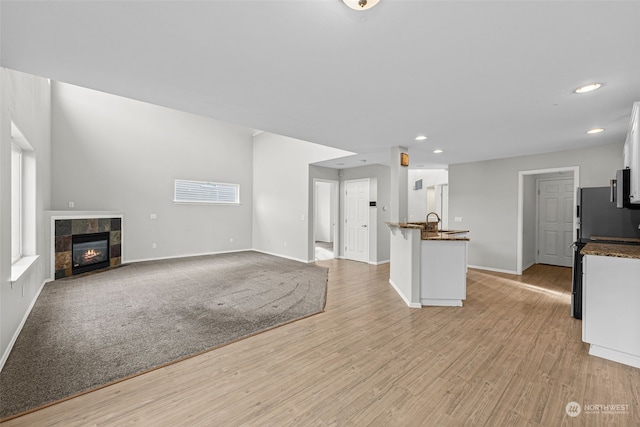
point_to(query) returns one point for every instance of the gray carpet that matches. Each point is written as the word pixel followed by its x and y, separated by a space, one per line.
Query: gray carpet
pixel 85 332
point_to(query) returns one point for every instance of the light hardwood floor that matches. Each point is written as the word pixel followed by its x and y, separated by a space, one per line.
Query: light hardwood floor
pixel 511 356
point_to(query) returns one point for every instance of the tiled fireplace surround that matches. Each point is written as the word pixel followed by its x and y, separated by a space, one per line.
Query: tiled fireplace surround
pixel 66 228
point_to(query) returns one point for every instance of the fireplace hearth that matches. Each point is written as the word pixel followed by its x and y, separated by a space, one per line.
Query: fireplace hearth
pixel 89 252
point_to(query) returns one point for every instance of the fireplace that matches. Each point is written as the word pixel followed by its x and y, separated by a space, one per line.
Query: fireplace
pixel 89 252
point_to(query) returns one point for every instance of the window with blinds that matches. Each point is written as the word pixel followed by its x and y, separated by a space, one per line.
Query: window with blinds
pixel 206 192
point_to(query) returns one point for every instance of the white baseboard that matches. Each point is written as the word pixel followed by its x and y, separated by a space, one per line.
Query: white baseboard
pixel 281 256
pixel 496 270
pixel 5 356
pixel 441 302
pixel 404 298
pixel 616 356
pixel 379 262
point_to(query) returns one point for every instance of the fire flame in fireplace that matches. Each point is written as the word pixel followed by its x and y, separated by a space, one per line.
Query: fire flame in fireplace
pixel 91 254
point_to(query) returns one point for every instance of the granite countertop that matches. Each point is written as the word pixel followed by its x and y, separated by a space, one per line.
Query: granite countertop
pixel 614 250
pixel 432 235
pixel 617 239
pixel 445 235
pixel 405 224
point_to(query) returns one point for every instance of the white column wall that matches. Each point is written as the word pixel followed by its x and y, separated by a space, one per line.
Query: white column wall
pixel 26 100
pixel 399 186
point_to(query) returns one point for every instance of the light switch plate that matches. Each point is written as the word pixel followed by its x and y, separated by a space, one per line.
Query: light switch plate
pixel 457 219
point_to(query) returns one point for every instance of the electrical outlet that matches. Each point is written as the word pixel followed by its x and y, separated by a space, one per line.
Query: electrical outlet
pixel 71 204
pixel 153 216
pixel 285 244
pixel 153 246
pixel 231 240
pixel 302 218
pixel 457 219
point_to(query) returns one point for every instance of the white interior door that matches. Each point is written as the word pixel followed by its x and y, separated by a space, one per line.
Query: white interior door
pixel 555 221
pixel 357 220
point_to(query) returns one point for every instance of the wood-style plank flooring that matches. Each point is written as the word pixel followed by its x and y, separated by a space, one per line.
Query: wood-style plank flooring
pixel 511 356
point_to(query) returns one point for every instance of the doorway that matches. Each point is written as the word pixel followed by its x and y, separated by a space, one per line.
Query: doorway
pixel 325 232
pixel 438 202
pixel 356 214
pixel 528 212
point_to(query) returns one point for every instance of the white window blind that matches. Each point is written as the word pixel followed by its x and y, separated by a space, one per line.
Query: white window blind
pixel 206 192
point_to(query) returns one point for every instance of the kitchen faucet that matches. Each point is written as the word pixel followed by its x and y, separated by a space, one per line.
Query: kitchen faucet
pixel 432 226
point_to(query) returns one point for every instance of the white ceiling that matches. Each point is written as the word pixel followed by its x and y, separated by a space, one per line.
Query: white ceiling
pixel 481 79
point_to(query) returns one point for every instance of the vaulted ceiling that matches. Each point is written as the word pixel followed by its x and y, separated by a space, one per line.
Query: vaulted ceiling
pixel 480 79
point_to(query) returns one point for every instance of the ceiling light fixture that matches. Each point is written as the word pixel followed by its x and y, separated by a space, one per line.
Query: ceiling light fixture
pixel 437 151
pixel 595 130
pixel 588 88
pixel 361 4
pixel 420 138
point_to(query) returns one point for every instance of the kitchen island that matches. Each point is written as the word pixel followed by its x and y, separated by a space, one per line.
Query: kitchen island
pixel 610 298
pixel 428 268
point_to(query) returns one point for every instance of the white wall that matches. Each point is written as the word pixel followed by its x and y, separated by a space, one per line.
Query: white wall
pixel 417 199
pixel 485 195
pixel 117 154
pixel 26 100
pixel 380 192
pixel 282 187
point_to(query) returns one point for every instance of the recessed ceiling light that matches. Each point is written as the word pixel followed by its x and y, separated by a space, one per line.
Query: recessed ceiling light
pixel 361 4
pixel 438 151
pixel 588 88
pixel 420 138
pixel 595 130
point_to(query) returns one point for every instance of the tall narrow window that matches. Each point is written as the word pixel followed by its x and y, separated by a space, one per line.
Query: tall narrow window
pixel 23 197
pixel 16 203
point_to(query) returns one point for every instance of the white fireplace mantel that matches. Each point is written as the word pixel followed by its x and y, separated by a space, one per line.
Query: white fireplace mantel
pixel 84 214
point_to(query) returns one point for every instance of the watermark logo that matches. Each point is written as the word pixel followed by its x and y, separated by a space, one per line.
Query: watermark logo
pixel 606 409
pixel 573 409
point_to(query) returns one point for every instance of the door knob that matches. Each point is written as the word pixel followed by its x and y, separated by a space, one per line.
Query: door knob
pixel 364 225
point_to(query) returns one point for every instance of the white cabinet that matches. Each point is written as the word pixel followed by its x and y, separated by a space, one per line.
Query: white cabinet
pixel 611 308
pixel 443 272
pixel 632 153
